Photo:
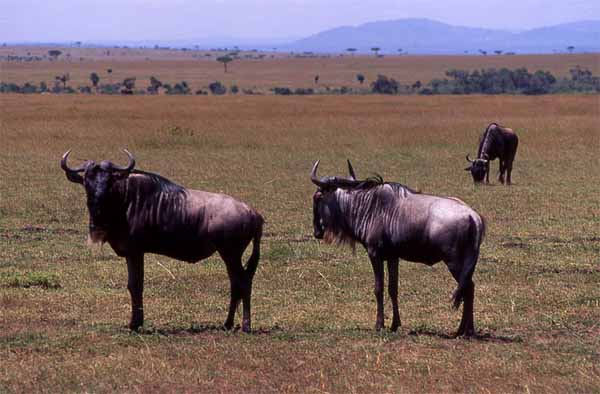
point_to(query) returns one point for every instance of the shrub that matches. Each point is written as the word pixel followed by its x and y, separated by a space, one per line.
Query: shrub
pixel 283 91
pixel 384 85
pixel 234 89
pixel 217 88
pixel 304 91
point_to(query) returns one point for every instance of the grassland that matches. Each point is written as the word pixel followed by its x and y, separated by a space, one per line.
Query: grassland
pixel 261 75
pixel 64 307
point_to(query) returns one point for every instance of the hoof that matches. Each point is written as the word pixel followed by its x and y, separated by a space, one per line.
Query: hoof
pixel 465 334
pixel 228 325
pixel 135 326
pixel 394 327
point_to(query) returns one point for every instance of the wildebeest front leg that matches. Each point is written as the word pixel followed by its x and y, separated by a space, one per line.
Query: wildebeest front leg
pixel 393 291
pixel 377 264
pixel 135 285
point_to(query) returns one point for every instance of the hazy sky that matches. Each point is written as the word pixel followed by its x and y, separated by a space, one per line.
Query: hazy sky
pixel 105 20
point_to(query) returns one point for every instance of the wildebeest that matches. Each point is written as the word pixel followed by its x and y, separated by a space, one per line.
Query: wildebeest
pixel 393 222
pixel 496 142
pixel 139 212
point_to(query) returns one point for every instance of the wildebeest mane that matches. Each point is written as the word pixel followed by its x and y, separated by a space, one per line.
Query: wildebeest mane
pixel 485 140
pixel 163 184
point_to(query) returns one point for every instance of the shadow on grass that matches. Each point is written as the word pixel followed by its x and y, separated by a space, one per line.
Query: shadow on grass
pixel 481 336
pixel 201 328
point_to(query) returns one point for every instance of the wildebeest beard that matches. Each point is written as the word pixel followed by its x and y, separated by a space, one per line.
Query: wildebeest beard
pixel 97 236
pixel 339 237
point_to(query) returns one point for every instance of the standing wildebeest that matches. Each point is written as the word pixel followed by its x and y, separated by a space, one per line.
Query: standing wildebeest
pixel 394 222
pixel 496 142
pixel 139 212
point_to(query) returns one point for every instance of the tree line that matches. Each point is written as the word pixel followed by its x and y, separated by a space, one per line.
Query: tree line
pixel 483 81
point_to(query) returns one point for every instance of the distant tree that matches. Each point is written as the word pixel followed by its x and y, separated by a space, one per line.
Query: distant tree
pixel 54 53
pixel 129 83
pixel 399 50
pixel 217 88
pixel 484 53
pixel 225 59
pixel 154 85
pixel 78 44
pixel 95 79
pixel 360 78
pixel 570 48
pixel 498 52
pixel 316 78
pixel 384 85
pixel 109 71
pixel 64 78
pixel 351 50
pixel 376 50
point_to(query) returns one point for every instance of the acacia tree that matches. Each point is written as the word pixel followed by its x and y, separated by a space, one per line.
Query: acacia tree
pixel 360 78
pixel 64 78
pixel 54 53
pixel 95 79
pixel 351 50
pixel 225 59
pixel 376 50
pixel 570 48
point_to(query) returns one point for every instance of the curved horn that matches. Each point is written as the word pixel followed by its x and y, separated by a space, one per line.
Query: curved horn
pixel 313 176
pixel 129 167
pixel 469 159
pixel 72 173
pixel 351 171
pixel 65 167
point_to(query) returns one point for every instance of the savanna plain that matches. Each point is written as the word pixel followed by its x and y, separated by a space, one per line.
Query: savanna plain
pixel 64 306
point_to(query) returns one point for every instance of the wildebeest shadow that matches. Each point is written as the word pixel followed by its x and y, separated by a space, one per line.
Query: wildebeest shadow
pixel 202 328
pixel 481 336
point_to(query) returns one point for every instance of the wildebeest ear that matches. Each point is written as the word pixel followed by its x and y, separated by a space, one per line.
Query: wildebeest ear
pixel 74 177
pixel 118 175
pixel 468 168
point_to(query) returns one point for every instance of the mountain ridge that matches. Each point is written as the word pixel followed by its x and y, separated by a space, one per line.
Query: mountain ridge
pixel 421 35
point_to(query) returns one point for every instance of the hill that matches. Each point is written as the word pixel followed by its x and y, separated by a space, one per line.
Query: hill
pixel 428 36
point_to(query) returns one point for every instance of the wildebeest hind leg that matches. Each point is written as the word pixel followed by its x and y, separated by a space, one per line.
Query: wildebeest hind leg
pixel 393 292
pixel 135 285
pixel 240 289
pixel 467 326
pixel 502 170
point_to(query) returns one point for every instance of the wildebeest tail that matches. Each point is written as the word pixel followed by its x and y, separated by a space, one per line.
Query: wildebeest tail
pixel 252 263
pixel 475 238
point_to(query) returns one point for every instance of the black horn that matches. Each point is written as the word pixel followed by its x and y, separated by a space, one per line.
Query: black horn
pixel 72 173
pixel 351 171
pixel 313 176
pixel 469 159
pixel 129 167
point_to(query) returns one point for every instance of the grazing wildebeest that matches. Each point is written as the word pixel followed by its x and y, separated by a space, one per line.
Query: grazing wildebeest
pixel 496 142
pixel 394 222
pixel 139 212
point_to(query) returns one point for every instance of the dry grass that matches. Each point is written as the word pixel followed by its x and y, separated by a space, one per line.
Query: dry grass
pixel 175 66
pixel 537 300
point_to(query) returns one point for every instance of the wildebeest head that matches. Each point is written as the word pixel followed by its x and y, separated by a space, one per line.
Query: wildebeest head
pixel 478 168
pixel 98 180
pixel 326 211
